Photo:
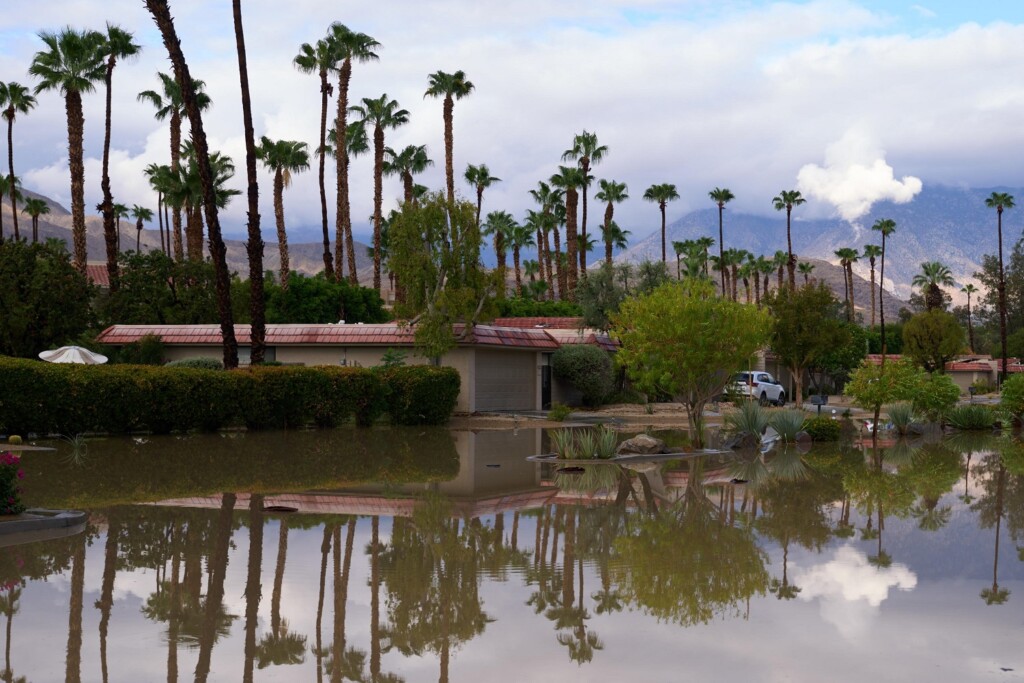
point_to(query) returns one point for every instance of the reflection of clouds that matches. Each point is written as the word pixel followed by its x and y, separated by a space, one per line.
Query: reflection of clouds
pixel 851 589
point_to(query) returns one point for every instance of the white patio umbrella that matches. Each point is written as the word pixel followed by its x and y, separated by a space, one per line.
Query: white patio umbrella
pixel 73 354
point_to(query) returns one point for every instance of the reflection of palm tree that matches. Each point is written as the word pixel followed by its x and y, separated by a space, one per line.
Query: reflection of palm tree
pixel 9 607
pixel 215 590
pixel 929 516
pixel 73 663
pixel 325 548
pixel 253 585
pixel 106 600
pixel 997 595
pixel 783 590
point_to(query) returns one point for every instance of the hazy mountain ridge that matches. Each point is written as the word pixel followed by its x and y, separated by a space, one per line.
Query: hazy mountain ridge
pixel 946 224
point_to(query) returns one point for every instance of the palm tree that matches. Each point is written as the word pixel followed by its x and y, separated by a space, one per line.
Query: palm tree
pixel 411 161
pixel 806 269
pixel 170 105
pixel 192 104
pixel 886 226
pixel 661 195
pixel 520 236
pixel 614 238
pixel 1001 201
pixel 780 260
pixel 969 289
pixel 117 45
pixel 746 270
pixel 852 258
pixel 931 279
pixel 787 199
pixel 613 193
pixel 765 267
pixel 319 59
pixel 587 151
pixel 282 158
pixel 141 215
pixel 549 198
pixel 119 211
pixel 347 46
pixel 14 99
pixel 480 178
pixel 383 113
pixel 8 186
pixel 499 224
pixel 451 87
pixel 871 252
pixel 845 255
pixel 35 208
pixel 530 269
pixel 722 196
pixel 71 64
pixel 704 244
pixel 570 180
pixel 160 180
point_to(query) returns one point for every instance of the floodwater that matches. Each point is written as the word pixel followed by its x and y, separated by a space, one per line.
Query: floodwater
pixel 424 554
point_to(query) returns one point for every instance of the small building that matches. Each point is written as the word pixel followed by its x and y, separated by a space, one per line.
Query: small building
pixel 502 368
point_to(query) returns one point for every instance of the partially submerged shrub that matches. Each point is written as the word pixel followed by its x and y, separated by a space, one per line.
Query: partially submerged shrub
pixel 901 414
pixel 749 419
pixel 936 395
pixel 587 368
pixel 822 428
pixel 559 412
pixel 1012 399
pixel 584 444
pixel 200 363
pixel 788 423
pixel 11 475
pixel 971 418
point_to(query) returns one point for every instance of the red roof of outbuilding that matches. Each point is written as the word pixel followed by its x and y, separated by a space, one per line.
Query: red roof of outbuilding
pixel 551 323
pixel 968 366
pixel 97 274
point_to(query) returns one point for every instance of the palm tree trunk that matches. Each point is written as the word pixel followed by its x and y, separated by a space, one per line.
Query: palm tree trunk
pixel 571 244
pixel 325 548
pixel 873 292
pixel 734 276
pixel 791 263
pixel 562 275
pixel 853 298
pixel 721 248
pixel 757 289
pixel 179 250
pixel 515 262
pixel 253 585
pixel 76 127
pixel 215 588
pixel 881 309
pixel 35 229
pixel 106 601
pixel 10 168
pixel 479 203
pixel 449 144
pixel 194 233
pixel 109 234
pixel 341 166
pixel 375 600
pixel 282 235
pixel 970 324
pixel 661 205
pixel 160 219
pixel 407 187
pixel 1002 300
pixel 325 89
pixel 514 539
pixel 585 166
pixel 282 558
pixel 254 244
pixel 500 251
pixel 378 180
pixel 73 659
pixel 340 597
pixel 175 611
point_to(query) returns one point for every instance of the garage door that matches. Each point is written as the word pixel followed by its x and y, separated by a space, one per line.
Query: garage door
pixel 506 380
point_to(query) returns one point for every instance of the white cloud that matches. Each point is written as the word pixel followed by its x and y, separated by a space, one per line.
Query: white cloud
pixel 855 176
pixel 924 11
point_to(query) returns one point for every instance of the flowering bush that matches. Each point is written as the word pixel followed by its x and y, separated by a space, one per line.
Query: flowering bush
pixel 10 490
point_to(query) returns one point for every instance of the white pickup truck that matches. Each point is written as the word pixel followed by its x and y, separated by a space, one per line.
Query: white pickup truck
pixel 759 385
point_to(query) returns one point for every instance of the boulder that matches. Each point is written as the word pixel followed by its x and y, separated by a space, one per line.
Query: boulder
pixel 803 437
pixel 642 444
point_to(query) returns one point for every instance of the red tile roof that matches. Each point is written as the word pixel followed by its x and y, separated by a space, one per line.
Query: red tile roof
pixel 968 366
pixel 543 323
pixel 97 274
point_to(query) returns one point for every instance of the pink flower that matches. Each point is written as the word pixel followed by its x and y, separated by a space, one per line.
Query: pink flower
pixel 21 474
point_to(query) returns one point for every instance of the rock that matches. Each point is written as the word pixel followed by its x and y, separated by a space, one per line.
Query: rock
pixel 803 437
pixel 746 442
pixel 642 444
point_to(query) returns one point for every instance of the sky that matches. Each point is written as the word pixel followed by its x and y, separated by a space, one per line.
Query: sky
pixel 849 101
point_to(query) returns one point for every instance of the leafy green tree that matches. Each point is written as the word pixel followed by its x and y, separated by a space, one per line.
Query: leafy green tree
pixel 932 339
pixel 668 345
pixel 318 300
pixel 650 275
pixel 44 300
pixel 156 290
pixel 872 386
pixel 435 254
pixel 599 297
pixel 806 328
pixel 839 361
pixel 587 368
pixel 935 396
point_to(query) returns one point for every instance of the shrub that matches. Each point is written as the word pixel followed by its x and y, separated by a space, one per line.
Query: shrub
pixel 822 429
pixel 584 444
pixel 587 368
pixel 10 487
pixel 149 350
pixel 1012 399
pixel 419 394
pixel 901 415
pixel 935 396
pixel 984 386
pixel 971 418
pixel 559 412
pixel 197 364
pixel 788 423
pixel 749 419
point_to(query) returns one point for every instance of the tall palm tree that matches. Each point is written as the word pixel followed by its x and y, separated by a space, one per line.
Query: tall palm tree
pixel 170 105
pixel 499 225
pixel 192 104
pixel 480 178
pixel 14 99
pixel 35 208
pixel 160 180
pixel 613 193
pixel 412 160
pixel 780 260
pixel 614 238
pixel 969 289
pixel 383 113
pixel 8 186
pixel 141 215
pixel 570 180
pixel 283 158
pixel 806 269
pixel 548 198
pixel 254 243
pixel 347 46
pixel 319 59
pixel 1001 201
pixel 119 211
pixel 787 199
pixel 931 279
pixel 886 226
pixel 118 45
pixel 520 237
pixel 661 195
pixel 451 87
pixel 587 152
pixel 72 64
pixel 871 252
pixel 722 196
pixel 765 267
pixel 846 256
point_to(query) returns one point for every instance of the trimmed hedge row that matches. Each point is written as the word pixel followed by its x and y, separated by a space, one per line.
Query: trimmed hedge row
pixel 70 399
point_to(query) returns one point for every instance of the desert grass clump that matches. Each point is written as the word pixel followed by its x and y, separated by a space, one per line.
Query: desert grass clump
pixel 788 423
pixel 584 444
pixel 971 418
pixel 901 415
pixel 749 419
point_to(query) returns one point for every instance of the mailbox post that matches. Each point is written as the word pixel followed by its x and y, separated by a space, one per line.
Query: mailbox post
pixel 819 400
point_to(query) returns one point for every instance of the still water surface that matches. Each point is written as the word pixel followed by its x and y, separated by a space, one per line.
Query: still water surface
pixel 422 555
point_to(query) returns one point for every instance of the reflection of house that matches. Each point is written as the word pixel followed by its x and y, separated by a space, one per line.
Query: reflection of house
pixel 502 368
pixel 494 476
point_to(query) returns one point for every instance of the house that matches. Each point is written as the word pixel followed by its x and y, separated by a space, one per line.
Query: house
pixel 502 368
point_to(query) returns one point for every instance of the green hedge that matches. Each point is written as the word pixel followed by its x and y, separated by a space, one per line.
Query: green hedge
pixel 70 399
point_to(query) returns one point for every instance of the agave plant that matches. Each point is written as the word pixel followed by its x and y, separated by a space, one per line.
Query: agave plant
pixel 749 419
pixel 970 418
pixel 788 423
pixel 563 442
pixel 901 415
